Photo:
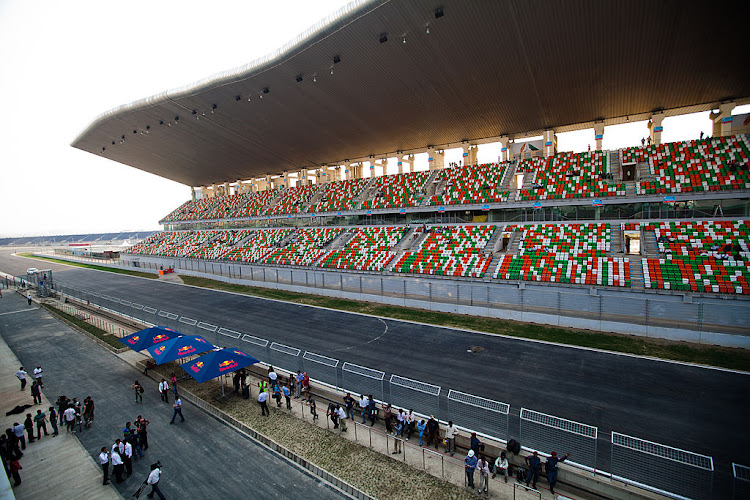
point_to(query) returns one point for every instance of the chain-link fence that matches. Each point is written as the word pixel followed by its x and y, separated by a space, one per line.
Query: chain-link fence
pixel 661 468
pixel 285 357
pixel 413 394
pixel 479 414
pixel 547 433
pixel 362 380
pixel 256 347
pixel 741 484
pixel 321 368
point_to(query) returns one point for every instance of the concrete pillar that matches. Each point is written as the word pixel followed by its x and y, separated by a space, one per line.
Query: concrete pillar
pixel 465 155
pixel 655 128
pixel 436 159
pixel 723 120
pixel 504 148
pixel 599 134
pixel 193 195
pixel 227 189
pixel 550 143
pixel 405 163
pixel 473 151
pixel 269 182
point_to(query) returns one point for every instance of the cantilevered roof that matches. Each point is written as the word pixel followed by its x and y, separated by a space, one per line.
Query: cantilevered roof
pixel 413 73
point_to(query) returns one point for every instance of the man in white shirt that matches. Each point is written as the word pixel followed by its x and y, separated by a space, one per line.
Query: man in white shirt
pixel 38 375
pixel 410 419
pixel 153 480
pixel 164 390
pixel 364 402
pixel 342 417
pixel 21 375
pixel 272 376
pixel 70 419
pixel 450 438
pixel 117 465
pixel 501 466
pixel 104 461
pixel 262 398
pixel 128 458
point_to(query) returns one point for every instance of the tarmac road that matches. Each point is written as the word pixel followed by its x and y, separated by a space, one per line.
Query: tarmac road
pixel 688 407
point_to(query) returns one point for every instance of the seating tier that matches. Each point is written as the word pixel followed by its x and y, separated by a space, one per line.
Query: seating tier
pixel 370 249
pixel 472 184
pixel 401 190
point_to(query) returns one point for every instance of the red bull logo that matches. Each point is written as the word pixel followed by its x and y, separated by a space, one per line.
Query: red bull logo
pixel 160 338
pixel 227 365
pixel 200 340
pixel 159 350
pixel 134 340
pixel 239 353
pixel 197 366
pixel 184 351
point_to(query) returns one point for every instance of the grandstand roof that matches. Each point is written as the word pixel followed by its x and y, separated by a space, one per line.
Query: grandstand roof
pixel 486 68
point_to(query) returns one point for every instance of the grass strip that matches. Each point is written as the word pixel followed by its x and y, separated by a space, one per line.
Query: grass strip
pixel 106 337
pixel 92 266
pixel 724 357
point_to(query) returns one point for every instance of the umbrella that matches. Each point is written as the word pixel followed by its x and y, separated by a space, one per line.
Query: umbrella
pixel 217 363
pixel 143 339
pixel 179 347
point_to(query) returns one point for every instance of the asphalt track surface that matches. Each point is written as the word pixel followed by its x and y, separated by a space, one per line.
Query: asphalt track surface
pixel 693 408
pixel 202 458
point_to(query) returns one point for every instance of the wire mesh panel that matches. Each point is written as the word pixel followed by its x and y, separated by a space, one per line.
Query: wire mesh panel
pixel 137 306
pixel 415 395
pixel 362 380
pixel 321 368
pixel 479 414
pixel 256 347
pixel 229 333
pixel 547 433
pixel 741 486
pixel 207 327
pixel 187 325
pixel 662 467
pixel 285 357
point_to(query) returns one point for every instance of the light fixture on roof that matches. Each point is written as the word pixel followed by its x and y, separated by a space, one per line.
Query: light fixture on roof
pixel 383 38
pixel 135 131
pixel 403 39
pixel 265 90
pixel 336 59
pixel 315 79
pixel 249 98
pixel 176 118
pixel 260 95
pixel 161 122
pixel 299 78
pixel 213 107
pixel 331 69
pixel 439 13
pixel 113 143
pixel 427 29
pixel 148 128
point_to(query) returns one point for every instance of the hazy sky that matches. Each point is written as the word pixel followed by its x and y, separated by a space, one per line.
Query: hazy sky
pixel 64 63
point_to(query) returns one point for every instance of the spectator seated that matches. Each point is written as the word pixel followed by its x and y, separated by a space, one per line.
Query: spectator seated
pixel 472 184
pixel 449 251
pixel 569 175
pixel 371 249
pixel 305 247
pixel 401 190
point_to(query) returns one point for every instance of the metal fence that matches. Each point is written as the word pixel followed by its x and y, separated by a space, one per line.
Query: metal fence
pixel 547 433
pixel 479 414
pixel 655 466
pixel 741 484
pixel 661 468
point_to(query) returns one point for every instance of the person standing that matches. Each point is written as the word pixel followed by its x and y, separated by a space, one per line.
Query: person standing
pixel 401 418
pixel 127 457
pixel 28 424
pixel 62 405
pixel 421 427
pixel 164 390
pixel 433 431
pixel 117 464
pixel 21 375
pixel 53 421
pixel 38 375
pixel 287 396
pixel 501 466
pixel 313 409
pixel 104 462
pixel 349 403
pixel 138 389
pixel 551 469
pixel 298 387
pixel 41 424
pixel 18 432
pixel 177 410
pixel 272 376
pixel 142 426
pixel 364 402
pixel 535 465
pixel 263 402
pixel 483 466
pixel 153 479
pixel 333 414
pixel 342 417
pixel 28 297
pixel 410 423
pixel 36 393
pixel 398 427
pixel 475 444
pixel 470 464
pixel 372 410
pixel 305 384
pixel 450 438
pixel 174 384
pixel 15 466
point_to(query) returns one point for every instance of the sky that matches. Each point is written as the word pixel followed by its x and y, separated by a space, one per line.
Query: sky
pixel 64 63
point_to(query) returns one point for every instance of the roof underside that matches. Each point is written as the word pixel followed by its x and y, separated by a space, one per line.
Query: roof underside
pixel 486 68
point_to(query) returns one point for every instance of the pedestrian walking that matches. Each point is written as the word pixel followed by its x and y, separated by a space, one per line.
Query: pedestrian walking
pixel 138 390
pixel 483 466
pixel 313 409
pixel 36 393
pixel 53 421
pixel 153 479
pixel 501 466
pixel 117 465
pixel 263 402
pixel 550 467
pixel 28 297
pixel 470 464
pixel 450 438
pixel 433 431
pixel 177 410
pixel 342 417
pixel 298 386
pixel 164 390
pixel 104 462
pixel 40 419
pixel 28 424
pixel 38 375
pixel 21 375
pixel 287 396
pixel 18 432
pixel 349 404
pixel 535 465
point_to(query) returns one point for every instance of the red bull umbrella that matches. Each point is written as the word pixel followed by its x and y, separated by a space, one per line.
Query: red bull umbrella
pixel 179 347
pixel 149 337
pixel 218 362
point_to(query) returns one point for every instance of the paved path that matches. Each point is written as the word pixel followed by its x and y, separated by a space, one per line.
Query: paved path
pixel 201 457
